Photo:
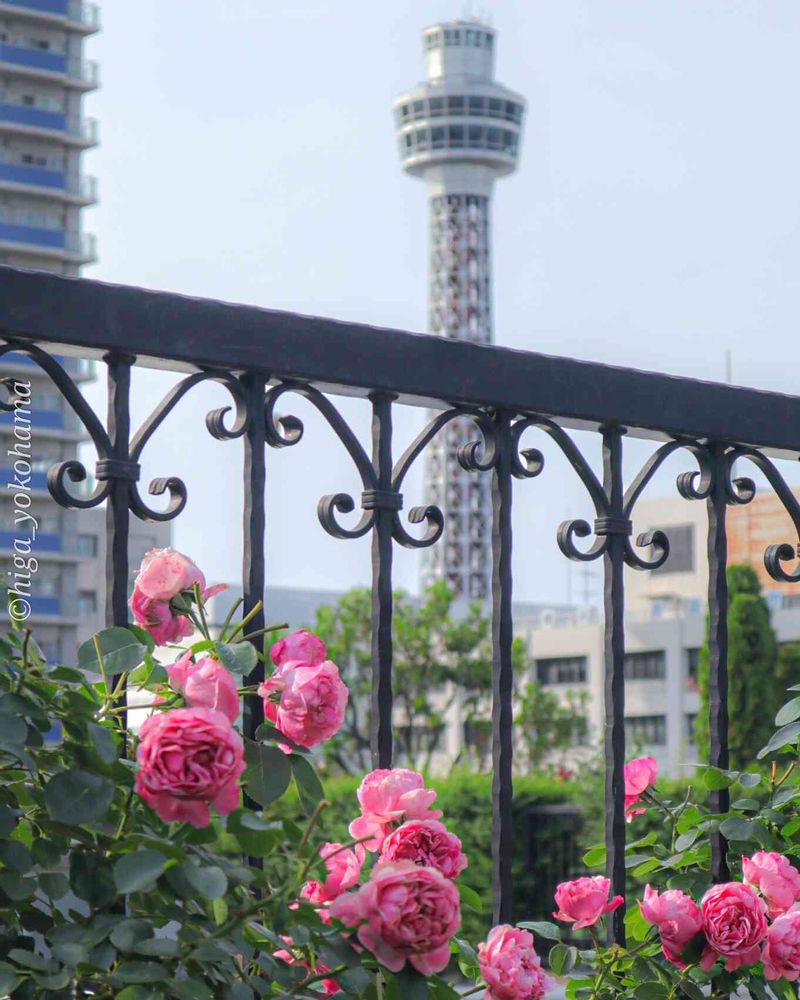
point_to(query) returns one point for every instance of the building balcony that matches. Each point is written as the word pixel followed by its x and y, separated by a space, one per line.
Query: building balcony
pixel 40 181
pixel 81 16
pixel 79 369
pixel 45 607
pixel 78 249
pixel 25 120
pixel 82 74
pixel 38 480
pixel 51 420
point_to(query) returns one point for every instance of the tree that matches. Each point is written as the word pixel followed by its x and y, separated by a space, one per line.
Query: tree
pixel 787 669
pixel 437 658
pixel 550 727
pixel 753 695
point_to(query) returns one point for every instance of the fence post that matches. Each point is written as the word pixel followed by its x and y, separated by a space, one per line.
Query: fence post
pixel 117 507
pixel 253 571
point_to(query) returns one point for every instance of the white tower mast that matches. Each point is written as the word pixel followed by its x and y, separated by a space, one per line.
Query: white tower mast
pixel 459 130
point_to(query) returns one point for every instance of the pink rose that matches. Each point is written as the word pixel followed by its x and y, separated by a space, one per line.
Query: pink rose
pixel 584 900
pixel 640 774
pixel 510 965
pixel 344 871
pixel 330 986
pixel 205 684
pixel 404 913
pixel 387 797
pixel 189 758
pixel 775 877
pixel 677 918
pixel 303 647
pixel 735 922
pixel 305 703
pixel 426 842
pixel 781 954
pixel 163 575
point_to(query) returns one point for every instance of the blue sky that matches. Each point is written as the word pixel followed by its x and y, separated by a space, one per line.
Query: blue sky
pixel 248 154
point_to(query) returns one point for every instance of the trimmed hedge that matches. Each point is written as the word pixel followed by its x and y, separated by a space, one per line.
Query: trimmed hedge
pixel 547 839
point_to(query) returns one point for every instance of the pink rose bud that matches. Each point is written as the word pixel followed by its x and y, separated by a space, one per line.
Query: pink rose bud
pixel 305 703
pixel 775 877
pixel 511 967
pixel 640 773
pixel 426 842
pixel 301 647
pixel 735 922
pixel 164 573
pixel 677 918
pixel 584 900
pixel 205 684
pixel 330 986
pixel 189 758
pixel 781 954
pixel 387 797
pixel 403 913
pixel 344 871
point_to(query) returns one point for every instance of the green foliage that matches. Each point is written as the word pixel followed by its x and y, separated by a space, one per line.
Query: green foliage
pixel 550 727
pixel 754 691
pixel 433 651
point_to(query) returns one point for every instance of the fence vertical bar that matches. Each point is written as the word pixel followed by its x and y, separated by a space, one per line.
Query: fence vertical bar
pixel 385 506
pixel 616 527
pixel 117 507
pixel 253 528
pixel 716 505
pixel 502 676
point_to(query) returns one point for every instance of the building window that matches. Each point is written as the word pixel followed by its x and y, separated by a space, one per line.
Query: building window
pixel 681 550
pixel 87 545
pixel 648 730
pixel 690 719
pixel 561 670
pixel 649 666
pixel 87 602
pixel 692 663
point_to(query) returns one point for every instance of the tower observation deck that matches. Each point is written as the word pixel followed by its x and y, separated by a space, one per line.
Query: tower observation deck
pixel 459 130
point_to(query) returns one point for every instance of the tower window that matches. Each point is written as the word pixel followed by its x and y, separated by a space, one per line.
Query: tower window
pixel 436 105
pixel 477 105
pixel 455 105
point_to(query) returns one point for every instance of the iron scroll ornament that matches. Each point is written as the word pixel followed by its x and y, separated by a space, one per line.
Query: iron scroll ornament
pixel 108 467
pixel 284 431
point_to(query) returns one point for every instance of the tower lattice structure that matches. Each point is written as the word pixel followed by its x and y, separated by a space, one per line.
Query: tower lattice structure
pixel 459 130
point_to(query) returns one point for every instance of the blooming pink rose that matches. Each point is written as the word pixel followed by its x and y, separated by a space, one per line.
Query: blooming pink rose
pixel 205 684
pixel 189 758
pixel 305 703
pixel 404 912
pixel 735 922
pixel 330 986
pixel 584 900
pixel 387 797
pixel 164 573
pixel 303 647
pixel 775 877
pixel 781 954
pixel 510 965
pixel 158 618
pixel 426 842
pixel 640 774
pixel 344 870
pixel 677 918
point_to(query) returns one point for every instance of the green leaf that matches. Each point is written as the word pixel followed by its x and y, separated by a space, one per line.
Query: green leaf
pixel 268 772
pixel 30 960
pixel 715 780
pixel 78 797
pixel 190 989
pixel 208 880
pixel 749 780
pixel 636 926
pixel 411 984
pixel 791 827
pixel 469 897
pixel 157 947
pixel 309 787
pixel 128 934
pixel 14 730
pixel 646 867
pixel 15 855
pixel 543 928
pixel 140 972
pixel 256 837
pixel 139 870
pixel 736 828
pixel 595 856
pixel 91 879
pixel 562 958
pixel 220 910
pixel 53 884
pixel 239 657
pixel 651 991
pixel 121 649
pixel 138 993
pixel 104 742
pixel 786 736
pixel 467 959
pixel 788 712
pixel 9 980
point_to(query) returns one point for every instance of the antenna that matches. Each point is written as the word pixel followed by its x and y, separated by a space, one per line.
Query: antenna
pixel 728 366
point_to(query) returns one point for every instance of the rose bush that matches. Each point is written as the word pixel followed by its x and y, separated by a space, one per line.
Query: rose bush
pixel 142 863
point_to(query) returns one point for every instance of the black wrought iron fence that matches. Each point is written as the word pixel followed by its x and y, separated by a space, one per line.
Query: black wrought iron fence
pixel 262 358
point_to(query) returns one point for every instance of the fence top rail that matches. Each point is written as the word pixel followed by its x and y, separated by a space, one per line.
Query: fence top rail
pixel 165 330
